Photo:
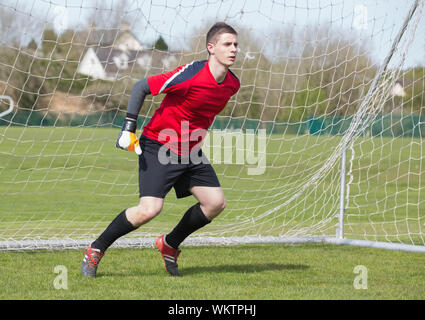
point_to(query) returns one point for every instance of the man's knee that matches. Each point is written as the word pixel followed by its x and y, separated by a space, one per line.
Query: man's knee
pixel 221 205
pixel 213 207
pixel 149 212
pixel 146 211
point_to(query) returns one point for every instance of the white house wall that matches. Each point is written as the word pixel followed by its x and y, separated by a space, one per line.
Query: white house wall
pixel 91 66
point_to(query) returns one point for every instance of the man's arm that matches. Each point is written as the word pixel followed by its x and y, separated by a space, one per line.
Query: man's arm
pixel 127 139
pixel 137 97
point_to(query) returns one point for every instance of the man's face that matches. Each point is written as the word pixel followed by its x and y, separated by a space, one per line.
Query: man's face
pixel 225 49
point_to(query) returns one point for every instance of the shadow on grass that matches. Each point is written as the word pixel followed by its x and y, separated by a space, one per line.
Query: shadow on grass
pixel 242 268
pixel 227 268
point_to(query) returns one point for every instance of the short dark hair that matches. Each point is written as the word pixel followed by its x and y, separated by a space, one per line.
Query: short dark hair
pixel 217 29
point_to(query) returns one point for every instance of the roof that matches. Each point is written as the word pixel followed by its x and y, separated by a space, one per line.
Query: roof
pixel 106 37
pixel 115 61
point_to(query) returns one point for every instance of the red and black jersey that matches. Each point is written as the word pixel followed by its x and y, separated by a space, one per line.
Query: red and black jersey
pixel 193 99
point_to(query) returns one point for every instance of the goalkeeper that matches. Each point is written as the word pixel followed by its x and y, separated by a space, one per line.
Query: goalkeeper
pixel 194 94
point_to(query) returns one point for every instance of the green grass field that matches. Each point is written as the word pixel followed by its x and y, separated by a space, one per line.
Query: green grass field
pixel 70 182
pixel 227 273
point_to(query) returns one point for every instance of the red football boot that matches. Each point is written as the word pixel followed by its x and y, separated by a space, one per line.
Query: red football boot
pixel 90 262
pixel 169 255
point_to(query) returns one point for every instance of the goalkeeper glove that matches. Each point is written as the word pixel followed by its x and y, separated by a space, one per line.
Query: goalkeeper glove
pixel 127 139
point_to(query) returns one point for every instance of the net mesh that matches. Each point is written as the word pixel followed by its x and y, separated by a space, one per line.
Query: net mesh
pixel 317 79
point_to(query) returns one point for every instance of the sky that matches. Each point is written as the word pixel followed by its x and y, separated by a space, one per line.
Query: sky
pixel 376 21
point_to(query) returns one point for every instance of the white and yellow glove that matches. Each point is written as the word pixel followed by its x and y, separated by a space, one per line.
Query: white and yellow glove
pixel 127 139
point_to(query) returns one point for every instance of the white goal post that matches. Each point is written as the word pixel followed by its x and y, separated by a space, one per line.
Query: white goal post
pixel 323 143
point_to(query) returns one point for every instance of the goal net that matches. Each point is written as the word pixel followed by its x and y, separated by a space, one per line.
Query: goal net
pixel 323 142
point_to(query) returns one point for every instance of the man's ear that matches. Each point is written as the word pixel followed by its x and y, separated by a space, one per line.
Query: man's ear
pixel 210 48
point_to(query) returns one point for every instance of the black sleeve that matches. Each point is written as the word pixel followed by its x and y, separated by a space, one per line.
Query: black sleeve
pixel 137 97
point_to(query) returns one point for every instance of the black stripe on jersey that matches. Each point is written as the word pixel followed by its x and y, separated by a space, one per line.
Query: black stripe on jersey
pixel 188 72
pixel 233 74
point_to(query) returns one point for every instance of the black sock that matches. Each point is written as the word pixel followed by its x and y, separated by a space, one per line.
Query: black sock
pixel 192 220
pixel 119 226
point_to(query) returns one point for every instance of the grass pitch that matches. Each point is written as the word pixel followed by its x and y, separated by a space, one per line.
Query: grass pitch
pixel 71 182
pixel 262 272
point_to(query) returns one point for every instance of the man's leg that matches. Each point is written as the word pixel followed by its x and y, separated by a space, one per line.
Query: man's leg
pixel 148 208
pixel 211 199
pixel 127 221
pixel 211 203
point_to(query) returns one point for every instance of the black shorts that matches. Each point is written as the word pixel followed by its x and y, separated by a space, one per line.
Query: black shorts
pixel 157 177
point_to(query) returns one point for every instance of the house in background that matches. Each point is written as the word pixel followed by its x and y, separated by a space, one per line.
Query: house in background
pixel 115 53
pixel 398 89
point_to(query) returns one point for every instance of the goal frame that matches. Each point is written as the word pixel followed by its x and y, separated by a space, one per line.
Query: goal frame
pixel 339 239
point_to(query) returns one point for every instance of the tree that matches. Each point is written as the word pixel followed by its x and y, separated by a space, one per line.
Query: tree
pixel 49 42
pixel 32 45
pixel 340 64
pixel 160 44
pixel 112 15
pixel 17 28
